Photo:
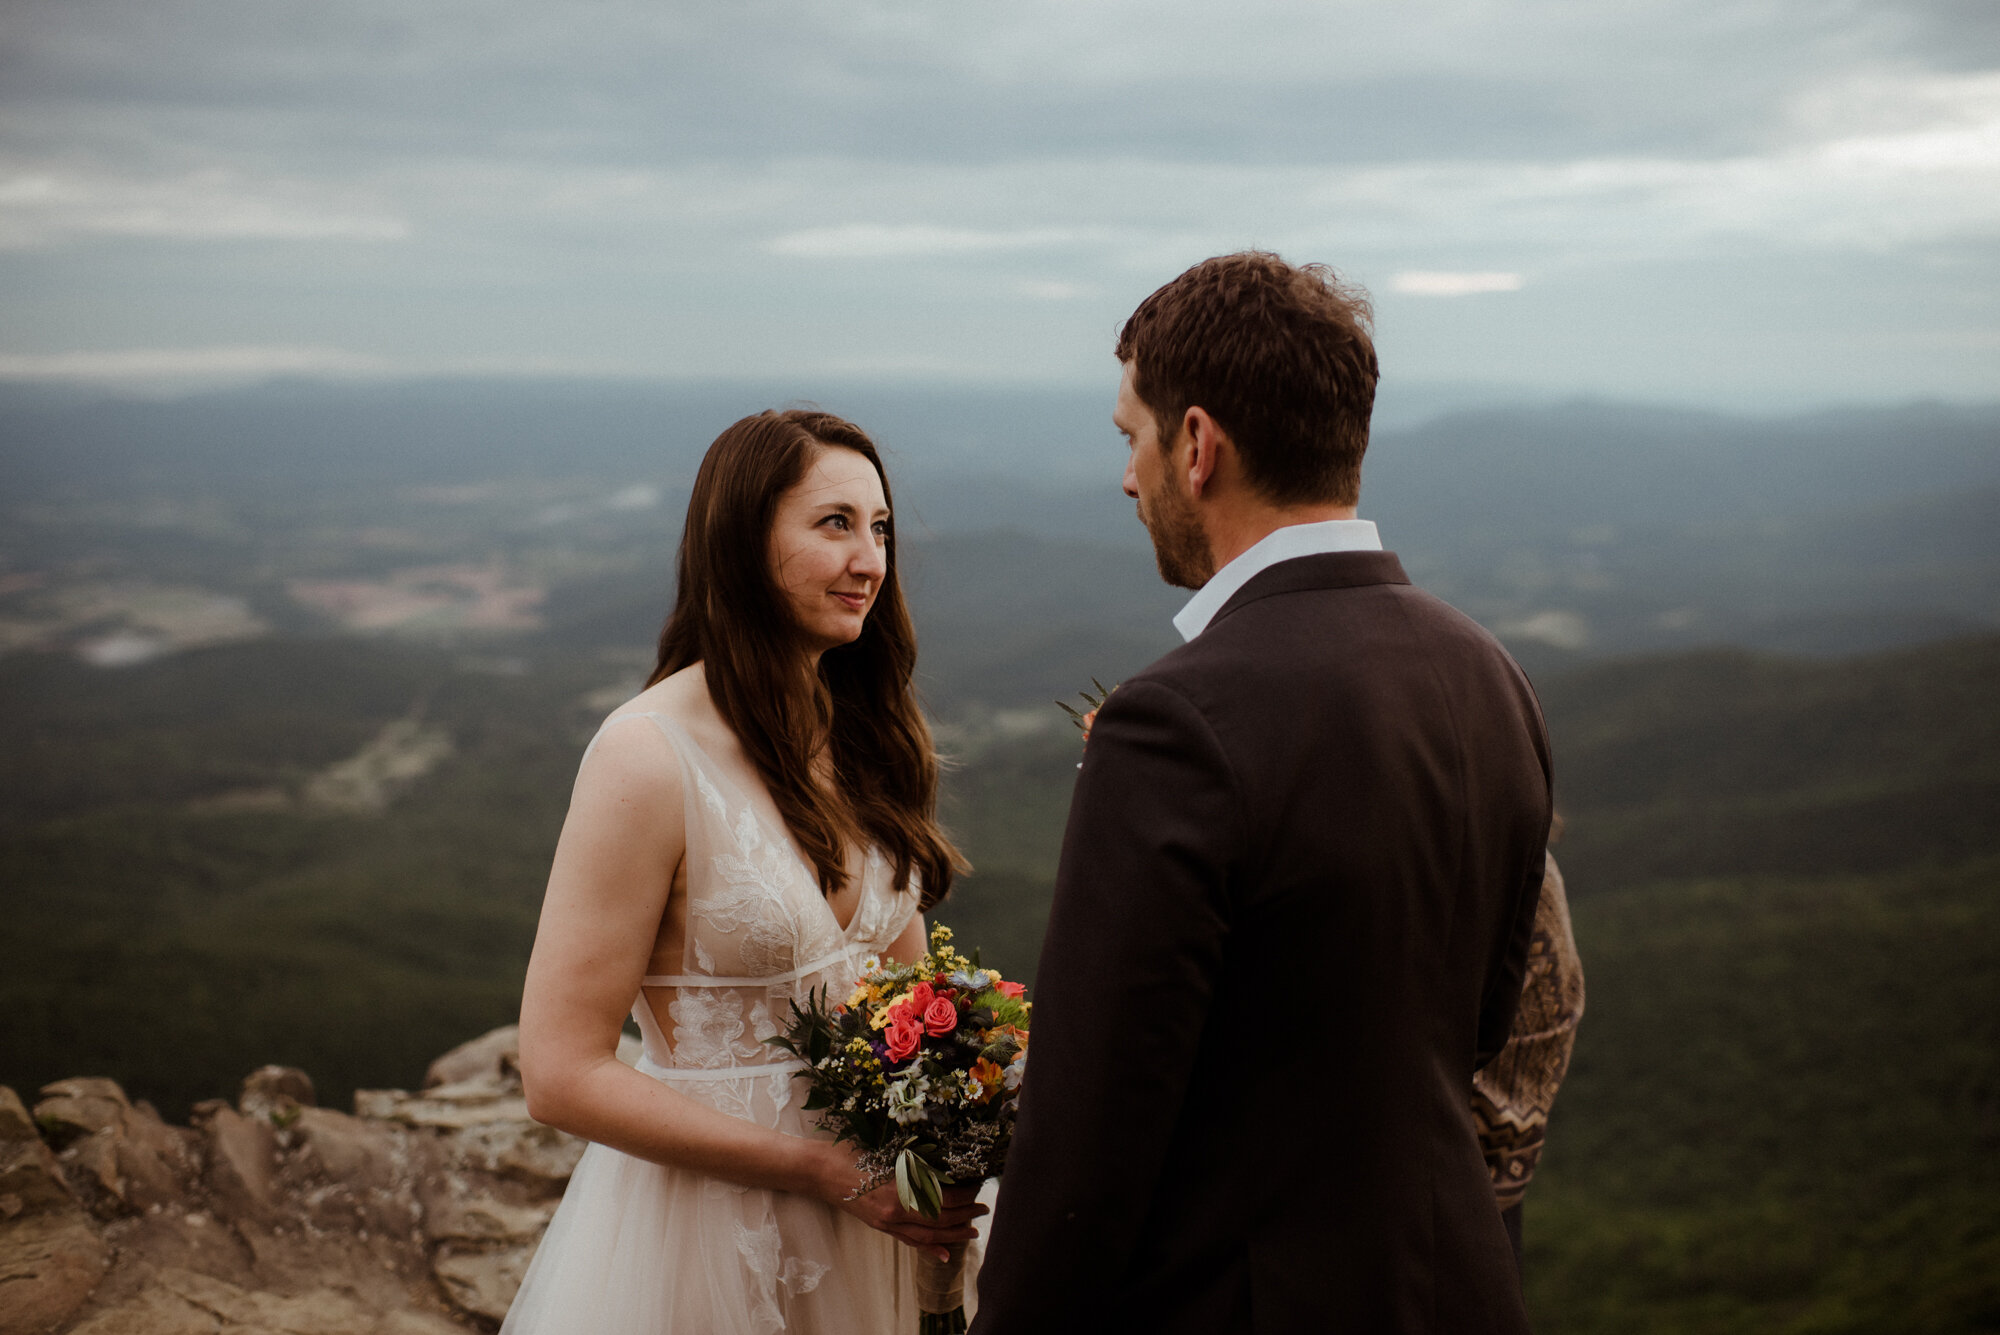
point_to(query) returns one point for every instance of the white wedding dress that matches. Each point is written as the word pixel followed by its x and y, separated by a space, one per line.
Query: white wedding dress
pixel 642 1249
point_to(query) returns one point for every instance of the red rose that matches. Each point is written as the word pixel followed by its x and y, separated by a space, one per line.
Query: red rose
pixel 920 998
pixel 1012 990
pixel 940 1018
pixel 903 1037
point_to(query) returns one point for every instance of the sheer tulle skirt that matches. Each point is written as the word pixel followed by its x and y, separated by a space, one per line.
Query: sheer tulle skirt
pixel 641 1249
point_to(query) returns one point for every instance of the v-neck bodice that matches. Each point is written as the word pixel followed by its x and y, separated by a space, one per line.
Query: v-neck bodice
pixel 759 933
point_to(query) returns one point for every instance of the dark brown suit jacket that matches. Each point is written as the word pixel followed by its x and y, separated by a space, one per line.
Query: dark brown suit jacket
pixel 1295 894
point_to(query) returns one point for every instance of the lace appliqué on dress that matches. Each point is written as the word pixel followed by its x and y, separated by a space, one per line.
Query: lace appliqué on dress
pixel 757 882
pixel 761 1249
pixel 708 1030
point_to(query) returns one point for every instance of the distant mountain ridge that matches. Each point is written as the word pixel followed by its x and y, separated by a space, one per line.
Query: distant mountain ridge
pixel 1467 471
pixel 1727 763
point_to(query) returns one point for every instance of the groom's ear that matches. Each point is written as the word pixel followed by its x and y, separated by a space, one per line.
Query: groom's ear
pixel 1207 442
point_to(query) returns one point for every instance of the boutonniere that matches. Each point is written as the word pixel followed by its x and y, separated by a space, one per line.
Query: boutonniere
pixel 1085 718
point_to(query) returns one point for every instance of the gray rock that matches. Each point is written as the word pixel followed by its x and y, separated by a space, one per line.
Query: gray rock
pixel 276 1093
pixel 493 1058
pixel 418 1323
pixel 16 1125
pixel 362 1154
pixel 50 1263
pixel 242 1163
pixel 481 1281
pixel 157 1161
pixel 417 1216
pixel 80 1107
pixel 524 1151
pixel 183 1300
pixel 393 1105
pixel 31 1181
pixel 90 1166
pixel 118 1158
pixel 484 1219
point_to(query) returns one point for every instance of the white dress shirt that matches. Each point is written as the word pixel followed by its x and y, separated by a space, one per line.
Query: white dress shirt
pixel 1280 544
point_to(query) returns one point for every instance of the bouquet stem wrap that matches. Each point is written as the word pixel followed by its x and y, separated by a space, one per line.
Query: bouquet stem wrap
pixel 941 1292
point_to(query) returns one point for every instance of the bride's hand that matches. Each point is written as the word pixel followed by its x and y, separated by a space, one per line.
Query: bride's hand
pixel 880 1209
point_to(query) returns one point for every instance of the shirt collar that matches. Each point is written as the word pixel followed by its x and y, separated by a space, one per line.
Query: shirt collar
pixel 1280 544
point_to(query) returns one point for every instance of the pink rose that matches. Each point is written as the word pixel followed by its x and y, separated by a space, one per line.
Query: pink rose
pixel 940 1018
pixel 1012 990
pixel 903 1037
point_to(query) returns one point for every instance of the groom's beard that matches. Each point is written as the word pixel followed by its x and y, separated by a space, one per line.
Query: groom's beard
pixel 1180 547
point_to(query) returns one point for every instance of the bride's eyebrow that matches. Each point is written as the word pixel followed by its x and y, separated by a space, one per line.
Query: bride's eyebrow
pixel 849 510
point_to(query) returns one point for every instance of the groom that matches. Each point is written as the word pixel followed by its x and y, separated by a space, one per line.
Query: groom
pixel 1296 888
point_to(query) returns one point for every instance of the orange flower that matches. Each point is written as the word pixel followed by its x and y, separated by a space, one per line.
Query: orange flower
pixel 988 1074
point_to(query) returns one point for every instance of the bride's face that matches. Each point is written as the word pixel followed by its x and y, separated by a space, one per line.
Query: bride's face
pixel 830 548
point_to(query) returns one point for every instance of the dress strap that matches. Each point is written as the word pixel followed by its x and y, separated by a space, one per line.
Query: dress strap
pixel 768 980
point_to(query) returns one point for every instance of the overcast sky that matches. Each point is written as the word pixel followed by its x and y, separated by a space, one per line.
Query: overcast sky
pixel 1764 203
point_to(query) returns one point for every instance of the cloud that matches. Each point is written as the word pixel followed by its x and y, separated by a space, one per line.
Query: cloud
pixel 50 203
pixel 217 364
pixel 1439 283
pixel 875 241
pixel 243 364
pixel 1051 289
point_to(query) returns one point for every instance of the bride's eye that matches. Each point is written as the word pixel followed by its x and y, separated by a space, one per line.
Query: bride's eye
pixel 838 521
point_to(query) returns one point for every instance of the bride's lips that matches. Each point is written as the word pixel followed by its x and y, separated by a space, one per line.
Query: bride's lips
pixel 854 601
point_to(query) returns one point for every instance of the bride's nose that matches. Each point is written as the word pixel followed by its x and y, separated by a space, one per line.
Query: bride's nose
pixel 870 562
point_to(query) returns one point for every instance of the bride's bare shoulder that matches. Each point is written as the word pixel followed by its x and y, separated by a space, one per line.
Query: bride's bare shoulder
pixel 681 699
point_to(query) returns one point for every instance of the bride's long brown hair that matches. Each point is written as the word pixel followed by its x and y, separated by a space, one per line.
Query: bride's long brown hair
pixel 858 709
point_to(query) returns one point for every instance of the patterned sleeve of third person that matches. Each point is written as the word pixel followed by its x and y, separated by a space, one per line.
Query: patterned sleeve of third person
pixel 1512 1094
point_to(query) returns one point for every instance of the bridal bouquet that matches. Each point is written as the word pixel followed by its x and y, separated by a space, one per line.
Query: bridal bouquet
pixel 920 1068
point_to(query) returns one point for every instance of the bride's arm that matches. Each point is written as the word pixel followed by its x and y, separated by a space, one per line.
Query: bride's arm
pixel 911 945
pixel 621 845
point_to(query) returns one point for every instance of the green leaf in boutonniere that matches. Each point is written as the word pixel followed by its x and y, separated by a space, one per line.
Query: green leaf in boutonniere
pixel 1083 718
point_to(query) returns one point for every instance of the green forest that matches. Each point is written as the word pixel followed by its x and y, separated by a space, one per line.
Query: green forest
pixel 1784 1111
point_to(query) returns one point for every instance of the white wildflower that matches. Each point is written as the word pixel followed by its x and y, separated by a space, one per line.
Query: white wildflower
pixel 908 1098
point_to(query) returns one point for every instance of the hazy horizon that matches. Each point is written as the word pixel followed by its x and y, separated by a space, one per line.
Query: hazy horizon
pixel 1399 405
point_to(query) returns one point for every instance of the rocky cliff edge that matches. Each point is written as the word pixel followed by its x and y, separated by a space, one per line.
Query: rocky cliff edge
pixel 415 1215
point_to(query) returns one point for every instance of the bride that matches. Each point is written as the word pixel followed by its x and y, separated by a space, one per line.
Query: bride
pixel 751 827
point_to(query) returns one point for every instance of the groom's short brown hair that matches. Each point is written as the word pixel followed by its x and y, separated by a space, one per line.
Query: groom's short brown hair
pixel 1278 354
